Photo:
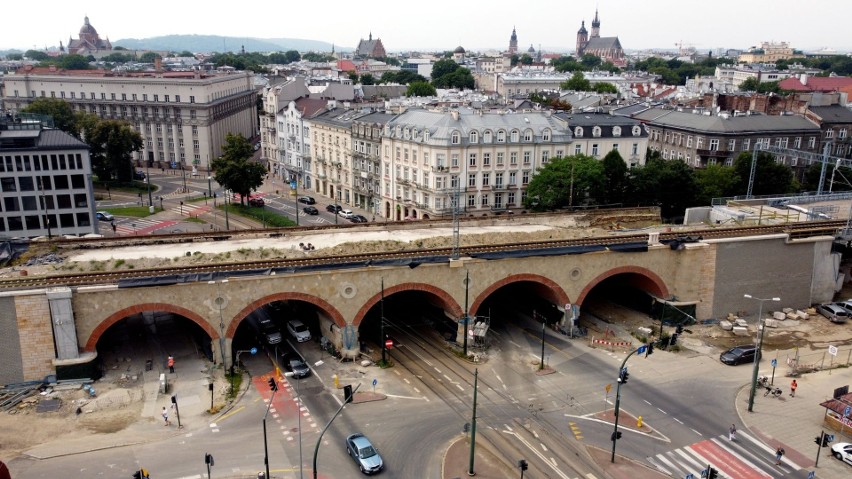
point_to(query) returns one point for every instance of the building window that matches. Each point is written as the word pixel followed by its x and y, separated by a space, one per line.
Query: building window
pixel 797 143
pixel 471 180
pixel 484 200
pixel 545 135
pixel 596 131
pixel 486 137
pixel 829 134
pixel 473 137
pixel 528 135
pixel 500 158
pixel 635 149
pixel 486 179
pixel 486 159
pixel 594 149
pixel 578 149
pixel 527 157
pixel 177 98
pixel 454 160
pixel 471 200
pixel 732 145
pixel 545 156
pixel 689 141
pixel 714 144
pixel 513 158
pixel 525 178
pixel 578 132
pixel 513 178
pixel 842 134
pixel 156 98
pixel 515 136
pixel 456 138
pixel 812 142
pixel 510 199
pixel 501 136
pixel 191 99
pixel 471 160
pixel 498 180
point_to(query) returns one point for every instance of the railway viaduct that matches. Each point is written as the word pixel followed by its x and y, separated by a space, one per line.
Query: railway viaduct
pixel 47 330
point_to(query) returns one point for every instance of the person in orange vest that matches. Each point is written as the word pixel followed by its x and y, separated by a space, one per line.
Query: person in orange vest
pixel 171 364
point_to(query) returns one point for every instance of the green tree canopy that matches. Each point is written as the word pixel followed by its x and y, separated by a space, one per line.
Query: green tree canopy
pixel 604 87
pixel 839 179
pixel 111 144
pixel 149 57
pixel 71 62
pixel 770 177
pixel 553 184
pixel 15 57
pixel 367 79
pixel 37 55
pixel 118 58
pixel 234 170
pixel 715 181
pixel 64 117
pixel 616 180
pixel 420 88
pixel 292 56
pixel 590 61
pixel 526 59
pixel 664 183
pixel 403 77
pixel 443 67
pixel 317 57
pixel 459 78
pixel 577 82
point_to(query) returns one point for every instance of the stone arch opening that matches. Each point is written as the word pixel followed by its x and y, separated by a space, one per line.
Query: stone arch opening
pixel 520 296
pixel 112 319
pixel 622 293
pixel 330 311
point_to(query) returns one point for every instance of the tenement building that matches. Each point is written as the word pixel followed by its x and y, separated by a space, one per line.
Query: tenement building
pixel 183 117
pixel 596 134
pixel 45 179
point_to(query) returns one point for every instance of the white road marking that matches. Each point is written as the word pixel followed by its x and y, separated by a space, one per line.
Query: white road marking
pixel 543 447
pixel 405 397
pixel 541 456
pixel 696 432
pixel 647 402
pixel 658 409
pixel 678 421
pixel 459 386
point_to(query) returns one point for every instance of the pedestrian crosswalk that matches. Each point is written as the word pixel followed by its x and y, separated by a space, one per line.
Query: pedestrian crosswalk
pixel 140 226
pixel 744 458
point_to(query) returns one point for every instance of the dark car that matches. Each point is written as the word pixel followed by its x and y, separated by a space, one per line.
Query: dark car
pixel 358 219
pixel 138 175
pixel 739 355
pixel 294 363
pixel 308 200
pixel 255 201
pixel 333 208
pixel 361 450
pixel 310 210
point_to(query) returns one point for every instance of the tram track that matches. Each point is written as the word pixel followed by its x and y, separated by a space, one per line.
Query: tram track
pixel 794 230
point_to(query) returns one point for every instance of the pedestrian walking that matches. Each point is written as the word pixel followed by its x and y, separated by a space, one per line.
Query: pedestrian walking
pixel 111 223
pixel 732 433
pixel 171 363
pixel 779 453
pixel 166 416
pixel 793 386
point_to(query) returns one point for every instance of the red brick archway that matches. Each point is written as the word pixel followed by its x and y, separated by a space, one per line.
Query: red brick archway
pixel 649 281
pixel 449 302
pixel 141 308
pixel 330 310
pixel 561 298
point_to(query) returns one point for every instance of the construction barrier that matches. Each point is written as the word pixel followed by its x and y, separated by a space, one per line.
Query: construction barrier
pixel 611 344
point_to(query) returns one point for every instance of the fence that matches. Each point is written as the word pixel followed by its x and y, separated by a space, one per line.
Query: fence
pixel 828 358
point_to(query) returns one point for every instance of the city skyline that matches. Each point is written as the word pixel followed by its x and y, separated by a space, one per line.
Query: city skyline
pixel 549 24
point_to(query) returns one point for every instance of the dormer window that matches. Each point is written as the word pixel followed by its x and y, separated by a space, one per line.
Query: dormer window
pixel 486 137
pixel 637 130
pixel 425 135
pixel 578 132
pixel 545 135
pixel 399 131
pixel 407 133
pixel 616 131
pixel 414 133
pixel 501 136
pixel 473 137
pixel 528 135
pixel 455 138
pixel 596 131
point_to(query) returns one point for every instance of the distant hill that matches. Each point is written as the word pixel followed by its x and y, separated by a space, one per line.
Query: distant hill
pixel 220 44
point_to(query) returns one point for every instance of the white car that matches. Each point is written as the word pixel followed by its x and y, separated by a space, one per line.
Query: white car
pixel 346 214
pixel 842 451
pixel 298 330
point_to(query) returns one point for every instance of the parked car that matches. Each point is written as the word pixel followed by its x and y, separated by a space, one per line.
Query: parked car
pixel 358 219
pixel 256 201
pixel 310 210
pixel 361 450
pixel 298 330
pixel 294 363
pixel 834 312
pixel 843 452
pixel 346 214
pixel 308 200
pixel 739 355
pixel 847 305
pixel 104 216
pixel 333 208
pixel 138 175
pixel 263 326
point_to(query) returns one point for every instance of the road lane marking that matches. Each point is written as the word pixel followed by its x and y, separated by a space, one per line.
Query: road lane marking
pixel 229 414
pixel 678 421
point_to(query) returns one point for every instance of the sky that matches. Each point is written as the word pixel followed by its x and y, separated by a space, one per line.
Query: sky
pixel 446 24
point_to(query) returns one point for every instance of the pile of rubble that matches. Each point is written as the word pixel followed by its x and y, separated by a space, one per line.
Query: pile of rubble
pixel 785 317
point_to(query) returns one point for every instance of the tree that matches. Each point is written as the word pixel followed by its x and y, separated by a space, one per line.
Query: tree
pixel 420 88
pixel 770 177
pixel 839 179
pixel 234 169
pixel 577 82
pixel 292 56
pixel 149 57
pixel 353 77
pixel 604 87
pixel 590 61
pixel 615 178
pixel 514 60
pixel 552 185
pixel 403 77
pixel 715 181
pixel 667 184
pixel 15 57
pixel 64 117
pixel 443 67
pixel 526 59
pixel 367 79
pixel 37 55
pixel 73 62
pixel 111 143
pixel 317 57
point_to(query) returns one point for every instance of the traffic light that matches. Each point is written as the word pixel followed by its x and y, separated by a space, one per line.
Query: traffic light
pixel 712 473
pixel 817 441
pixel 174 399
pixel 826 439
pixel 623 375
pixel 523 465
pixel 679 329
pixel 347 393
pixel 673 339
pixel 616 435
pixel 273 386
pixel 137 475
pixel 650 350
pixel 141 474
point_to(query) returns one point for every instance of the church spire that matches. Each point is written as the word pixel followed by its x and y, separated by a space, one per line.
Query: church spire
pixel 596 26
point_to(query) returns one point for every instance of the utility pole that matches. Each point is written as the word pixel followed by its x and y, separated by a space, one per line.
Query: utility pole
pixel 382 322
pixel 622 378
pixel 466 318
pixel 319 440
pixel 470 471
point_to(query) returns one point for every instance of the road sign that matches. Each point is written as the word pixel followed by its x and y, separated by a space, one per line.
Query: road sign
pixel 375 381
pixel 774 363
pixel 608 387
pixel 253 350
pixel 847 411
pixel 832 350
pixel 641 349
pixel 388 343
pixel 690 476
pixel 811 475
pixel 830 437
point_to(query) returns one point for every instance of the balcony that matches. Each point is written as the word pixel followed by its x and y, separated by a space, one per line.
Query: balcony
pixel 713 153
pixel 439 169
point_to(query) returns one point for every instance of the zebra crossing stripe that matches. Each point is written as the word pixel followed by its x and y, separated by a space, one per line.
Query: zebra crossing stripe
pixel 762 461
pixel 692 459
pixel 735 452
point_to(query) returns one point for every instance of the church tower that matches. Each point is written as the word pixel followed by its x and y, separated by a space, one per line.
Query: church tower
pixel 513 42
pixel 582 39
pixel 596 26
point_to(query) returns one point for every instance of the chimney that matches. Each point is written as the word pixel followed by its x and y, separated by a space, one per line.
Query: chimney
pixel 455 114
pixel 158 64
pixel 804 78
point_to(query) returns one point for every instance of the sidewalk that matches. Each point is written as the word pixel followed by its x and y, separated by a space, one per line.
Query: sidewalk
pixel 794 422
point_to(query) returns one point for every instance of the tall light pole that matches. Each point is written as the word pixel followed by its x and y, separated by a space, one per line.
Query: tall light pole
pixel 299 406
pixel 209 179
pixel 761 326
pixel 466 318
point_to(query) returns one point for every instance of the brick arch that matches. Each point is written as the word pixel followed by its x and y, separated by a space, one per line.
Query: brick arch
pixel 448 300
pixel 141 308
pixel 287 296
pixel 652 282
pixel 561 296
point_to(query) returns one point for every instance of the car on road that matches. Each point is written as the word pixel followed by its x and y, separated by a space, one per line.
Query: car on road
pixel 333 208
pixel 834 312
pixel 104 216
pixel 298 330
pixel 294 363
pixel 346 214
pixel 138 175
pixel 310 210
pixel 256 201
pixel 361 450
pixel 308 200
pixel 843 452
pixel 358 219
pixel 739 355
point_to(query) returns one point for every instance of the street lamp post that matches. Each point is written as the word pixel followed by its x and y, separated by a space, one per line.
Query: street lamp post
pixel 761 326
pixel 299 406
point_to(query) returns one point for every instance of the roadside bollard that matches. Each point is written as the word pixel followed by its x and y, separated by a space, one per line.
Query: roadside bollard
pixel 336 381
pixel 639 422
